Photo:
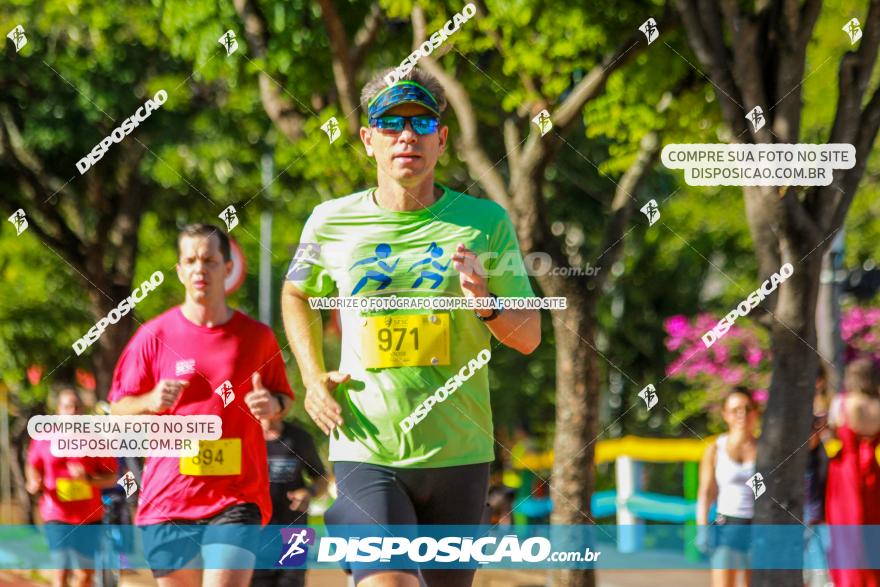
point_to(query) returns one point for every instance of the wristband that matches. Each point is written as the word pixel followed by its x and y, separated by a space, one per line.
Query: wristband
pixel 495 311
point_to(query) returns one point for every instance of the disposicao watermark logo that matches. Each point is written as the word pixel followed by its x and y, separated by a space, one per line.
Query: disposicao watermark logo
pixel 441 303
pixel 226 393
pixel 128 483
pixel 296 546
pixel 543 122
pixel 120 132
pixel 331 127
pixel 757 485
pixel 425 49
pixel 229 43
pixel 448 549
pixel 114 315
pixel 650 30
pixel 451 386
pixel 230 217
pixel 18 38
pixel 775 164
pixel 649 395
pixel 756 117
pixel 651 212
pixel 125 436
pixel 747 305
pixel 429 272
pixel 853 30
pixel 19 221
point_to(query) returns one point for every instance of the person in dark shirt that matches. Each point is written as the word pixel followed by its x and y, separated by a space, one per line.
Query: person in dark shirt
pixel 291 453
pixel 815 480
pixel 816 474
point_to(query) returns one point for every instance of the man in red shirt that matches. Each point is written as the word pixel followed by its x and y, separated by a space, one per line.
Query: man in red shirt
pixel 70 500
pixel 204 358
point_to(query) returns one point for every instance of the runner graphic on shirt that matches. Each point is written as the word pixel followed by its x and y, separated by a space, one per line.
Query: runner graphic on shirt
pixel 383 251
pixel 435 252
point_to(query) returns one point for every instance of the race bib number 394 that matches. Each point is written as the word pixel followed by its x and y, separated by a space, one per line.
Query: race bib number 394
pixel 405 340
pixel 216 457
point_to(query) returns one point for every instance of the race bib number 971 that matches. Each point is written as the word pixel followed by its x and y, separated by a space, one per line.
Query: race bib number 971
pixel 405 340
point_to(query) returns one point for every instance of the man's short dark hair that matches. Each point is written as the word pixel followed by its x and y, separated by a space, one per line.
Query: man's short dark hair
pixel 200 229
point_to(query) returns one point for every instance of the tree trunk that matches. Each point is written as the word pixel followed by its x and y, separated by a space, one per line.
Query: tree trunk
pixel 21 498
pixel 18 444
pixel 783 447
pixel 108 348
pixel 577 399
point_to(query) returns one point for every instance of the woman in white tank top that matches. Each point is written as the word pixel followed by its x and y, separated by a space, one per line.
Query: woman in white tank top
pixel 735 498
pixel 727 466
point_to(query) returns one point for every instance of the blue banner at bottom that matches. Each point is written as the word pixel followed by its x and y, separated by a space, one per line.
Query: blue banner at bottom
pixel 173 546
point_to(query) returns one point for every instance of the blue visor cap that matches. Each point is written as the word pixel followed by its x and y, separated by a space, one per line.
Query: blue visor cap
pixel 405 92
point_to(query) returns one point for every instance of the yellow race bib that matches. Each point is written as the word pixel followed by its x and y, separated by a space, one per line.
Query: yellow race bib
pixel 72 489
pixel 216 457
pixel 405 340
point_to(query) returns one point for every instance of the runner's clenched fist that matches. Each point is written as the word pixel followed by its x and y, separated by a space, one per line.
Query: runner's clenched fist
pixel 165 394
pixel 471 274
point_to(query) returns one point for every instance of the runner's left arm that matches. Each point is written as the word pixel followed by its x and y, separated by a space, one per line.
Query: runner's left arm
pixel 135 390
pixel 305 333
pixel 103 481
pixel 104 473
pixel 277 388
pixel 33 470
pixel 518 329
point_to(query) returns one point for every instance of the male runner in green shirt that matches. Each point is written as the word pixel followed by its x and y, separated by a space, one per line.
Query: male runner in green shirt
pixel 408 410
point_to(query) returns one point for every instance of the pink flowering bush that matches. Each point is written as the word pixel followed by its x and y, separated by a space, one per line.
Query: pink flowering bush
pixel 860 330
pixel 740 357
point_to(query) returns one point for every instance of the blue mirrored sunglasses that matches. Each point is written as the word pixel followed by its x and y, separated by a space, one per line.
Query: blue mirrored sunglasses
pixel 422 124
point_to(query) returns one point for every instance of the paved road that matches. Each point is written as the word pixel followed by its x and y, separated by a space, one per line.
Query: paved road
pixel 484 579
pixel 538 579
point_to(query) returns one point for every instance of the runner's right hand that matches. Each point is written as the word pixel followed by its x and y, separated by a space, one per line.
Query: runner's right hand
pixel 299 500
pixel 165 394
pixel 34 485
pixel 319 402
pixel 702 540
pixel 76 470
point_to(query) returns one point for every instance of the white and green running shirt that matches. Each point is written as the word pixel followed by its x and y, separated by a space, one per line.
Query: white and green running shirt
pixel 352 247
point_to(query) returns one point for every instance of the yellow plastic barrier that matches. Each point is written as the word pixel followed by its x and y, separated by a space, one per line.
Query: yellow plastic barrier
pixel 652 450
pixel 649 450
pixel 534 461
